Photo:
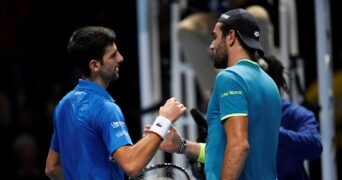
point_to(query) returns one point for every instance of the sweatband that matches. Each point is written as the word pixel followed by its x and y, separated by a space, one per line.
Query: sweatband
pixel 160 126
pixel 201 156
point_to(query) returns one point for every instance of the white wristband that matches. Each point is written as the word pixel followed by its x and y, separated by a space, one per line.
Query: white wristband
pixel 160 126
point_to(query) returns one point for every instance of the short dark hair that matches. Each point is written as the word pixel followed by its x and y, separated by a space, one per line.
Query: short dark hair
pixel 89 43
pixel 275 69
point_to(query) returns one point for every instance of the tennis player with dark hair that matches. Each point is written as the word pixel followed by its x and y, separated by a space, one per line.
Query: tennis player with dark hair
pixel 299 138
pixel 244 110
pixel 90 138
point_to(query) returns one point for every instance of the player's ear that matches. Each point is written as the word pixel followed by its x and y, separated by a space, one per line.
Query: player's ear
pixel 231 37
pixel 94 65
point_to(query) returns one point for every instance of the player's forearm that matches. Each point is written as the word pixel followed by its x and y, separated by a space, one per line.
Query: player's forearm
pixel 140 154
pixel 192 149
pixel 234 160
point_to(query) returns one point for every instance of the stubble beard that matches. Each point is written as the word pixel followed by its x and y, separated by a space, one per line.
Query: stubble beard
pixel 220 62
pixel 110 78
pixel 115 76
pixel 220 56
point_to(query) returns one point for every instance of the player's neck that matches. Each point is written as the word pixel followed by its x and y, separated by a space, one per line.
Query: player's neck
pixel 98 80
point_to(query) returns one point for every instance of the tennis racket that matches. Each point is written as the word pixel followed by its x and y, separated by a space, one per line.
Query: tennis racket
pixel 166 171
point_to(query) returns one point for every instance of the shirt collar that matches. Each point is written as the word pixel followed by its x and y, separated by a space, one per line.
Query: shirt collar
pixel 247 61
pixel 93 86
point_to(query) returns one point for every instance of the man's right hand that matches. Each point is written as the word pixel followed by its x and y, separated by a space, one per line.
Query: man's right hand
pixel 172 109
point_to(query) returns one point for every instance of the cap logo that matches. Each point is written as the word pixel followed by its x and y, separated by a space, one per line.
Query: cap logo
pixel 224 16
pixel 256 34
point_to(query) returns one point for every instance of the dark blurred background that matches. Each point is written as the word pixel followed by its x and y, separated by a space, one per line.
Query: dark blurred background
pixel 35 71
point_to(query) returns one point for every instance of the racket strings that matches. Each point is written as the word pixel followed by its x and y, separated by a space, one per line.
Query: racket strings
pixel 163 172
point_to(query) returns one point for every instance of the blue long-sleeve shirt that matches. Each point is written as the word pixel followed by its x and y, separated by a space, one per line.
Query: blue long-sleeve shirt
pixel 299 140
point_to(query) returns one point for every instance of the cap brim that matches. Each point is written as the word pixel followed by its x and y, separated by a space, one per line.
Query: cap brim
pixel 252 43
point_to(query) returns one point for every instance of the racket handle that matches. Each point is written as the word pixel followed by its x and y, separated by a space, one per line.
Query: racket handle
pixel 199 118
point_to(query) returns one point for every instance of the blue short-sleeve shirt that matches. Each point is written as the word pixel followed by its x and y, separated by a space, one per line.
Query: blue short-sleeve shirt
pixel 244 90
pixel 88 128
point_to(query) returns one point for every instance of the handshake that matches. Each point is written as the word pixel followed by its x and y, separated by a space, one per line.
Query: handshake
pixel 170 112
pixel 172 141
